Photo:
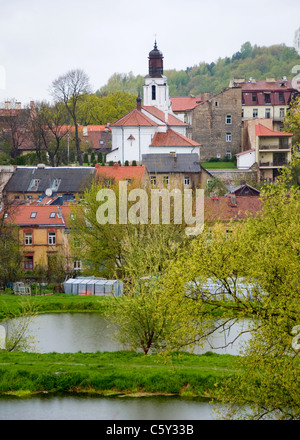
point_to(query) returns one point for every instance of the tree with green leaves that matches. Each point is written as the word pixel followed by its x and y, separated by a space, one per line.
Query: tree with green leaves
pixel 253 274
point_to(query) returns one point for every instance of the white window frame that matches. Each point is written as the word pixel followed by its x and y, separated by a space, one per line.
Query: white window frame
pixel 228 119
pixel 28 238
pixel 52 238
pixel 153 180
pixel 77 265
pixel 186 180
pixel 228 137
pixel 255 113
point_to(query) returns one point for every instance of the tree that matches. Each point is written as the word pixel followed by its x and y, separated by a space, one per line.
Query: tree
pixel 292 120
pixel 49 129
pixel 70 89
pixel 256 275
pixel 145 317
pixel 14 130
pixel 10 256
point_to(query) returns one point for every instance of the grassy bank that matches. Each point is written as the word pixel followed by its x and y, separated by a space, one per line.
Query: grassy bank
pixel 12 305
pixel 123 372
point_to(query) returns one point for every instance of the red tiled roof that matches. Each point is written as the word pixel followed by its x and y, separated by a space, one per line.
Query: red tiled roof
pixel 261 130
pixel 185 103
pixel 223 209
pixel 267 85
pixel 159 114
pixel 245 152
pixel 118 172
pixel 134 118
pixel 172 139
pixel 21 215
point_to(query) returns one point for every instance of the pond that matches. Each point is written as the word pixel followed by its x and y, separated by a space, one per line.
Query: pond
pixel 82 407
pixel 90 332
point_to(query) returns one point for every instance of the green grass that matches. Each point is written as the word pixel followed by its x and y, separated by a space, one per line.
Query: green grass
pixel 218 165
pixel 11 305
pixel 122 372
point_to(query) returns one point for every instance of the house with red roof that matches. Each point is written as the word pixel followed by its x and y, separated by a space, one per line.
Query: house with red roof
pixel 269 149
pixel 135 175
pixel 43 234
pixel 152 127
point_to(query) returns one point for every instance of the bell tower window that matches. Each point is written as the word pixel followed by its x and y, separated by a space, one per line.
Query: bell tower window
pixel 153 93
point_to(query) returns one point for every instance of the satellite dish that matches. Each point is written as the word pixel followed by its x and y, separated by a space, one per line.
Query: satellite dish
pixel 48 192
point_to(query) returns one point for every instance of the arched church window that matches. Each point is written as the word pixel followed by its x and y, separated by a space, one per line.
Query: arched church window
pixel 153 92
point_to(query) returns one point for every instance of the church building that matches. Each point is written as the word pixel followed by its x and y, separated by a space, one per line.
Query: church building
pixel 151 127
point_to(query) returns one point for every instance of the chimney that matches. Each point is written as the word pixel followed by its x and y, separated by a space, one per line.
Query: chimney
pixel 139 103
pixel 7 105
pixel 18 105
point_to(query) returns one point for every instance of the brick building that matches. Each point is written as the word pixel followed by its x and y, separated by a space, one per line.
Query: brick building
pixel 217 125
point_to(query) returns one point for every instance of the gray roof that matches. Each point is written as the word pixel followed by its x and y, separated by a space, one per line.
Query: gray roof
pixel 168 163
pixel 59 179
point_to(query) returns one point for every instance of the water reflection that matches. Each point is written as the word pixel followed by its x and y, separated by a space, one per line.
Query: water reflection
pixel 65 407
pixel 90 332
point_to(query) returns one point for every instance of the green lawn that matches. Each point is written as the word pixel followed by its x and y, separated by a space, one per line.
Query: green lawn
pixel 122 372
pixel 218 165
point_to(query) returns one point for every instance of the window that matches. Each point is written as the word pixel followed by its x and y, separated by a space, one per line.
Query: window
pixel 218 156
pixel 128 181
pixel 267 98
pixel 28 262
pixel 77 243
pixel 268 113
pixel 77 265
pixel 228 119
pixel 281 97
pixel 228 137
pixel 5 214
pixel 254 98
pixel 228 154
pixel 255 112
pixel 52 214
pixel 28 238
pixel 166 180
pixel 51 238
pixel 281 113
pixel 33 215
pixel 153 180
pixel 154 92
pixel 186 181
pixel 216 103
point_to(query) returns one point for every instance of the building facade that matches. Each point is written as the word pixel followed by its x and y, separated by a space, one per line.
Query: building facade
pixel 217 125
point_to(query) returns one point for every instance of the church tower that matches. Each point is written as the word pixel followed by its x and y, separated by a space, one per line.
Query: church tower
pixel 156 89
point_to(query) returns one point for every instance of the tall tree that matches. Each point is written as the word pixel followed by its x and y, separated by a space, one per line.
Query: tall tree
pixel 48 126
pixel 14 129
pixel 70 89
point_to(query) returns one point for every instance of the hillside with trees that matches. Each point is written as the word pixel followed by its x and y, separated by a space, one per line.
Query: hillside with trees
pixel 250 61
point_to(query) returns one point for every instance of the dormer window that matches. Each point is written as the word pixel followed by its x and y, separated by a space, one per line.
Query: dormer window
pixel 55 184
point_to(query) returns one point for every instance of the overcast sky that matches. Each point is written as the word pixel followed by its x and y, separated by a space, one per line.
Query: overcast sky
pixel 43 39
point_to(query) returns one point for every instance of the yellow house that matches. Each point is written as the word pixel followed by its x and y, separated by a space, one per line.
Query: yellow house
pixel 42 233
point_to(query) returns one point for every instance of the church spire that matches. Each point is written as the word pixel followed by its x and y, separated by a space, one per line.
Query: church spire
pixel 155 62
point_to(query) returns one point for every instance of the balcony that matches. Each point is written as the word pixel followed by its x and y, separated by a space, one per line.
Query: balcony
pixel 274 147
pixel 275 164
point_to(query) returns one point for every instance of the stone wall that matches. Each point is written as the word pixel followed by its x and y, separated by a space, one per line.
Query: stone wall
pixel 209 126
pixel 234 177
